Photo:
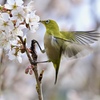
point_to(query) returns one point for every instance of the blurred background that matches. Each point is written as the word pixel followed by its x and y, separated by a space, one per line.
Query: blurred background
pixel 79 79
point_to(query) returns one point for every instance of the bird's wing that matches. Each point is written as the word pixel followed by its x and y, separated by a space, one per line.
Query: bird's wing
pixel 81 37
pixel 75 50
pixel 77 43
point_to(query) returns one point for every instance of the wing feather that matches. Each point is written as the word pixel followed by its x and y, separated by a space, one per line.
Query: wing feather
pixel 75 50
pixel 78 41
pixel 81 37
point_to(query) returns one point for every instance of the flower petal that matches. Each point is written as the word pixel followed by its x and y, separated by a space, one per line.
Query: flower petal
pixel 19 2
pixel 5 16
pixel 10 2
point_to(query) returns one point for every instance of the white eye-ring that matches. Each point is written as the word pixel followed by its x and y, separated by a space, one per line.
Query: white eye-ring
pixel 47 21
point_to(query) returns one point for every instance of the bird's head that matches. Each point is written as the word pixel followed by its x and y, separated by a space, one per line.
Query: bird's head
pixel 50 24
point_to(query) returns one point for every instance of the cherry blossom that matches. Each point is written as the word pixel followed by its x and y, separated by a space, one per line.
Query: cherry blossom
pixel 13 4
pixel 15 17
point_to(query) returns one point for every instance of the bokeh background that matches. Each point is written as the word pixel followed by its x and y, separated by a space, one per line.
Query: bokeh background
pixel 79 79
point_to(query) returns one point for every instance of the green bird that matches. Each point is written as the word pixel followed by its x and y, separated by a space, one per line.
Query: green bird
pixel 69 43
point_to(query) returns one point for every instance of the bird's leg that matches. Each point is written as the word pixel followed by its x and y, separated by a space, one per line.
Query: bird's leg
pixel 36 62
pixel 44 61
pixel 34 41
pixel 32 51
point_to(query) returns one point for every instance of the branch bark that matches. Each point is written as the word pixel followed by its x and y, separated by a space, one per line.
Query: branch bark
pixel 32 59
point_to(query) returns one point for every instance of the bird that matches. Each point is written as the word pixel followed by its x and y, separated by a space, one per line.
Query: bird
pixel 68 43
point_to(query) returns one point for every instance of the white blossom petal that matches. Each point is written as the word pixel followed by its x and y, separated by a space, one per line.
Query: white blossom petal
pixel 5 16
pixel 19 2
pixel 11 2
pixel 29 7
pixel 7 6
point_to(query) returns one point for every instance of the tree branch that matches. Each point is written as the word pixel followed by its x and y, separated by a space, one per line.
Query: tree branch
pixel 33 58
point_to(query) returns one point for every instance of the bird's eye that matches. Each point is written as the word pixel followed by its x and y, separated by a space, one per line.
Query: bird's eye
pixel 47 21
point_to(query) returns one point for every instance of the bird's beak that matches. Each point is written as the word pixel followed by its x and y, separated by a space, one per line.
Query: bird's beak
pixel 41 21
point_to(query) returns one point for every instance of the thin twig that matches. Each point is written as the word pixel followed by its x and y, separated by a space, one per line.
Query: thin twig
pixel 34 66
pixel 38 86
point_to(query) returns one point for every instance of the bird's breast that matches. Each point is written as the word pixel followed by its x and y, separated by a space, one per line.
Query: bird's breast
pixel 52 48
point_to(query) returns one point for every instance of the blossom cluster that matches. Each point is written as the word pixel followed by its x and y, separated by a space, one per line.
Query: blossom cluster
pixel 15 17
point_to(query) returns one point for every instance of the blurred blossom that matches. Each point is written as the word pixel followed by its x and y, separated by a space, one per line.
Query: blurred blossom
pixel 29 7
pixel 73 95
pixel 5 40
pixel 2 97
pixel 14 54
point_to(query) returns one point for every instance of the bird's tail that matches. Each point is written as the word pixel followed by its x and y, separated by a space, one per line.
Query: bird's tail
pixel 56 69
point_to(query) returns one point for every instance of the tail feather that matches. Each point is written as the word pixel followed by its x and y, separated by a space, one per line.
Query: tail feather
pixel 56 65
pixel 56 74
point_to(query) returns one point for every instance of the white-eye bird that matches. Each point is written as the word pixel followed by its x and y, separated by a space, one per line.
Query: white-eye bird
pixel 69 43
